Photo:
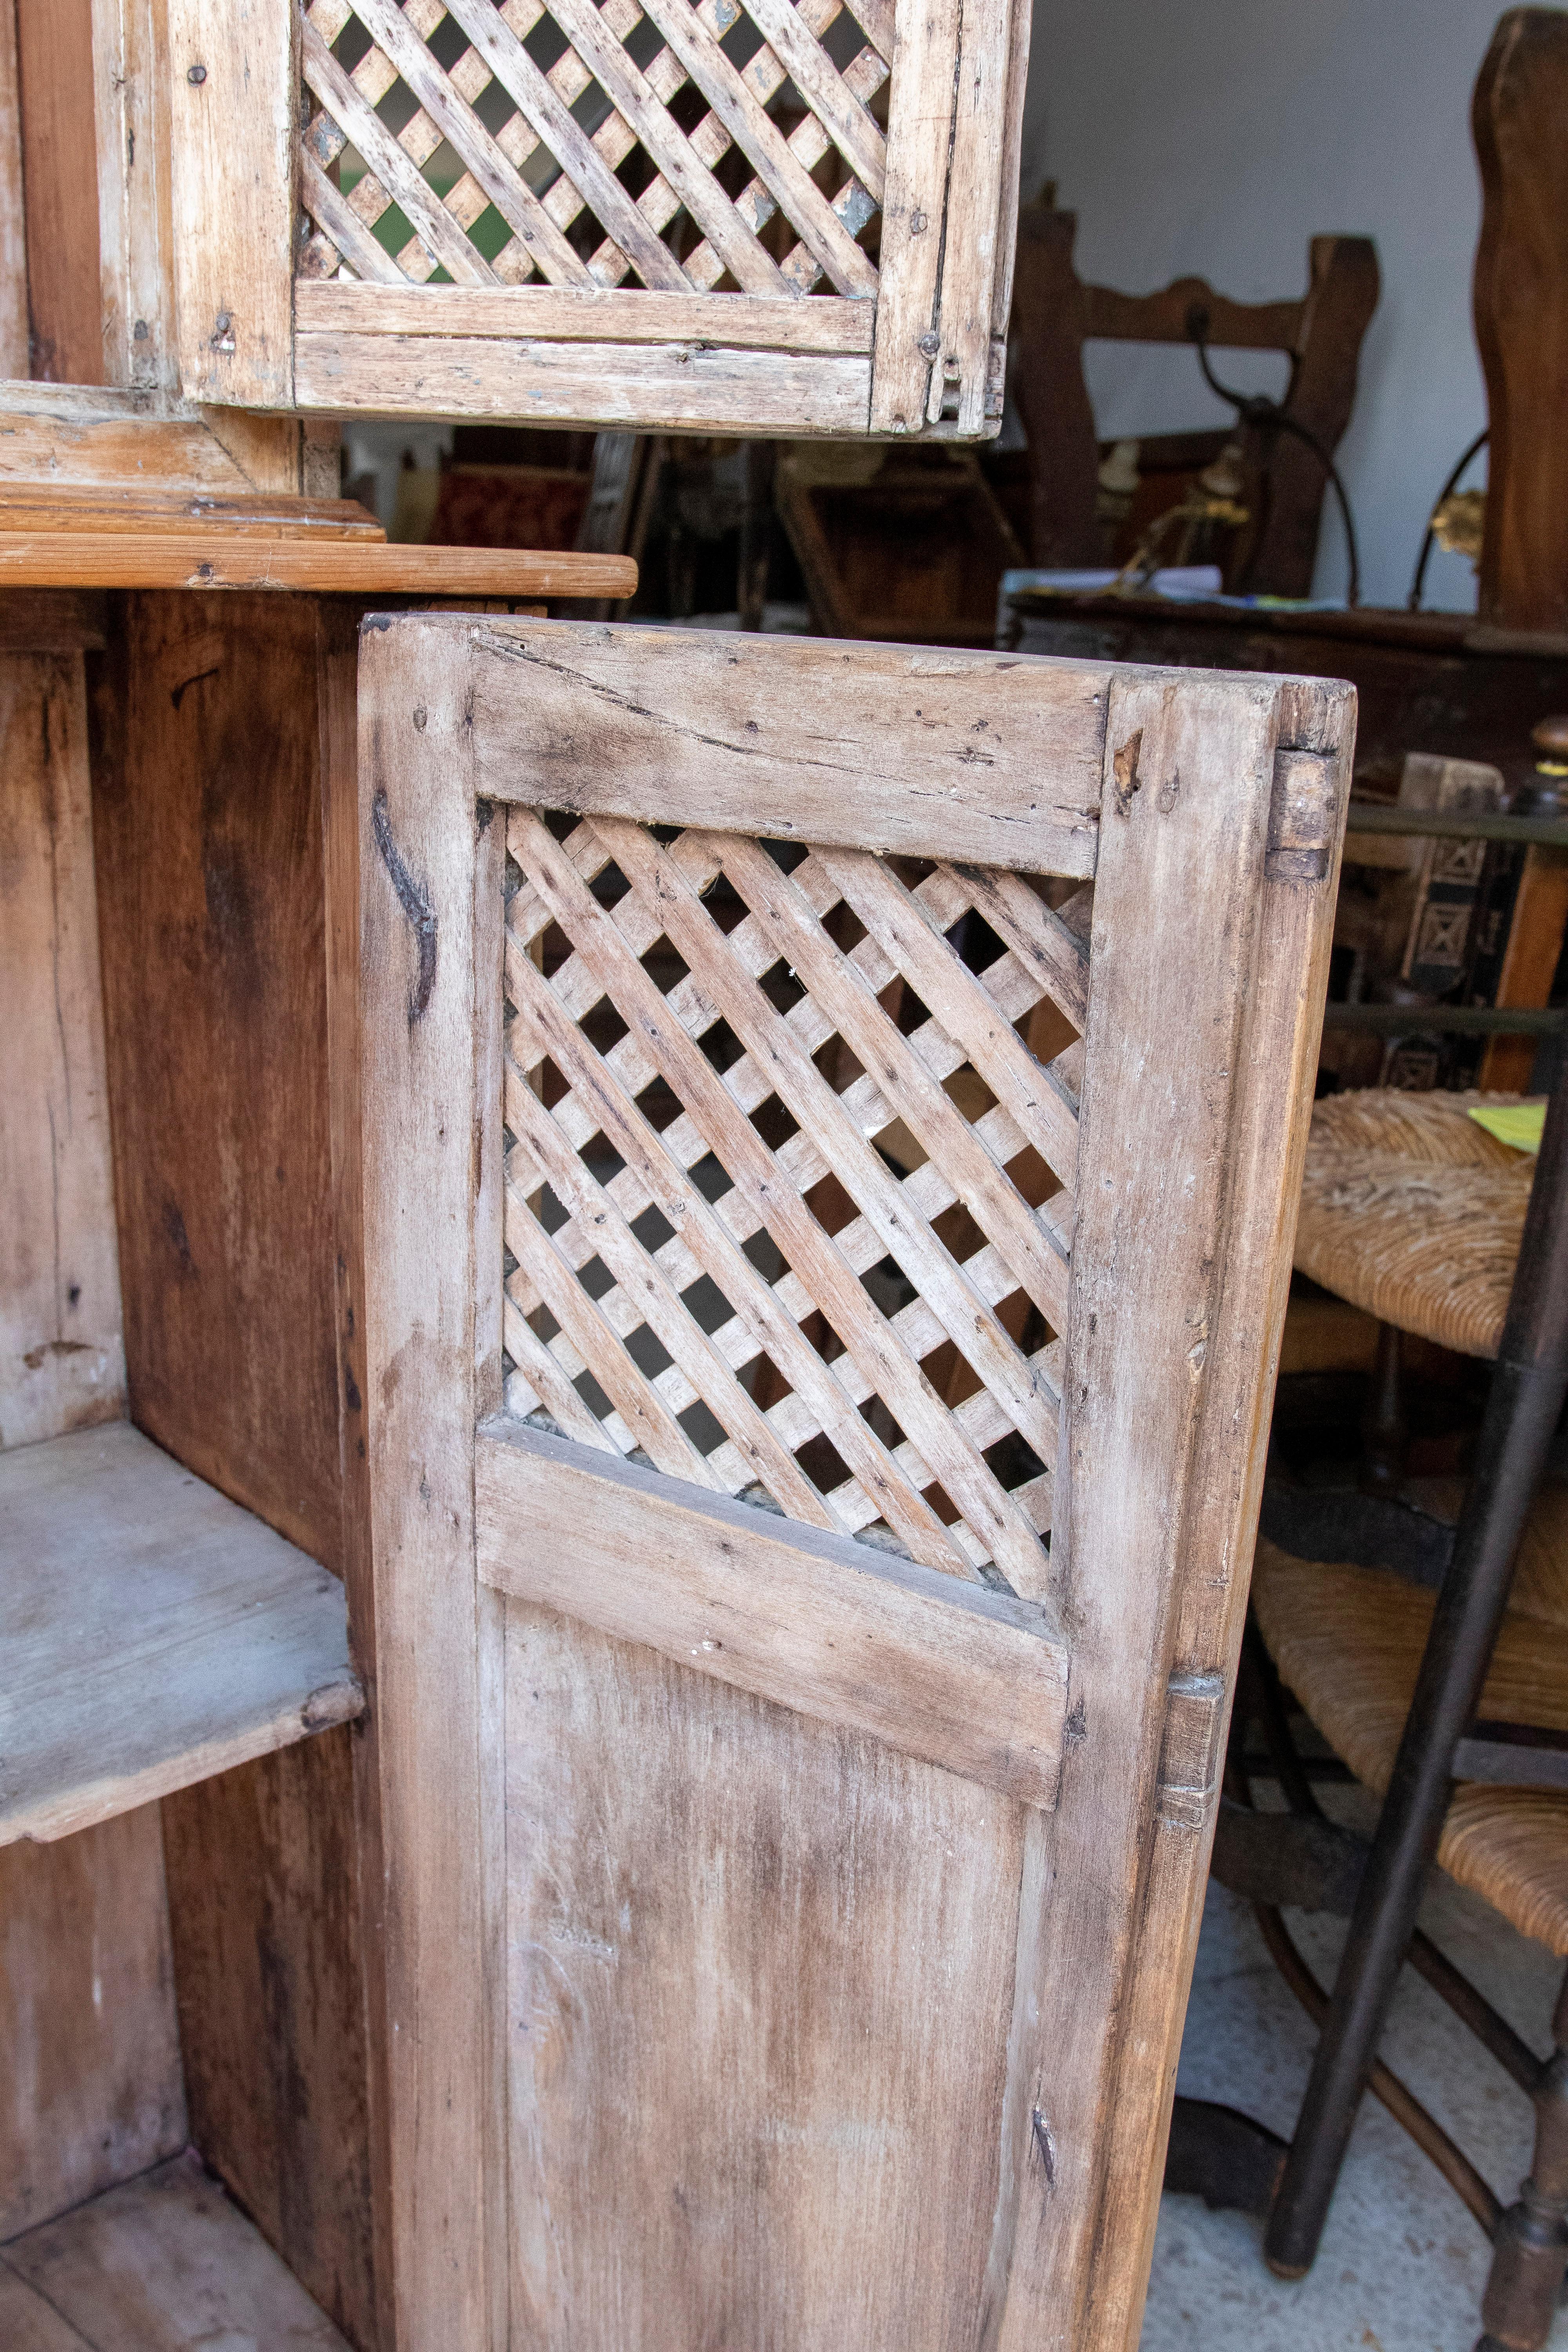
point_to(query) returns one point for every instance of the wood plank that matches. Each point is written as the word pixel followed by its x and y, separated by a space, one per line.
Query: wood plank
pixel 157 1634
pixel 166 2264
pixel 27 2324
pixel 334 566
pixel 751 1959
pixel 417 853
pixel 62 1358
pixel 919 138
pixel 142 507
pixel 54 41
pixel 778 750
pixel 52 620
pixel 1178 1287
pixel 232 87
pixel 272 1971
pixel 949 1672
pixel 975 229
pixel 14 353
pixel 79 434
pixel 687 386
pixel 91 2090
pixel 130 69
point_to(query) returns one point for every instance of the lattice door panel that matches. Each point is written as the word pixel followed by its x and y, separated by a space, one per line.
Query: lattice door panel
pixel 789 1186
pixel 558 210
pixel 510 164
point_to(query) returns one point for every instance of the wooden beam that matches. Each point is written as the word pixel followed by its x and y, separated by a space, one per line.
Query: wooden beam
pixel 338 565
pixel 524 314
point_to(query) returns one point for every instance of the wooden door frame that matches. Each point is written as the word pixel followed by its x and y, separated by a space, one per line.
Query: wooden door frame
pixel 1218 805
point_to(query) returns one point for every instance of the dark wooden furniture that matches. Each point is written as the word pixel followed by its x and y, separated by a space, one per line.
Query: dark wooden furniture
pixel 903 544
pixel 1055 313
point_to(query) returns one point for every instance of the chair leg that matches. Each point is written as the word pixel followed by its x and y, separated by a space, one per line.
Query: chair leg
pixel 1384 1430
pixel 1531 2250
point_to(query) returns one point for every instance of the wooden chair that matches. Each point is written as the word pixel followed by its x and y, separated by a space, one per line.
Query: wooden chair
pixel 789 1933
pixel 1283 482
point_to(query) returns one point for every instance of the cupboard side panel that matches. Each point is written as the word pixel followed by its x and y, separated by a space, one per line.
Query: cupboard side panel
pixel 757 1970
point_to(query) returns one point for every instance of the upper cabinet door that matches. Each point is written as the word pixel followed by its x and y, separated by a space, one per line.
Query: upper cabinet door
pixel 782 217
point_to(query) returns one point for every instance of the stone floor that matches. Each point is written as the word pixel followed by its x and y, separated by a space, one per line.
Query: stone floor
pixel 1402 2264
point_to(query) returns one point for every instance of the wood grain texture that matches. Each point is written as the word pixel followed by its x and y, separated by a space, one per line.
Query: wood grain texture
pixel 54 40
pixel 207 826
pixel 156 1634
pixel 999 762
pixel 164 2264
pixel 131 98
pixel 919 142
pixel 62 1362
pixel 344 566
pixel 231 122
pixel 1204 1004
pixel 28 2324
pixel 14 353
pixel 524 314
pixel 82 435
pixel 417 853
pixel 975 229
pixel 751 1960
pixel 953 1674
pixel 1520 292
pixel 91 2085
pixel 168 508
pixel 269 1966
pixel 688 386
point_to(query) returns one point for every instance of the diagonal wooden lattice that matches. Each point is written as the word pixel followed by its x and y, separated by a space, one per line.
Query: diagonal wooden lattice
pixel 788 1192
pixel 555 149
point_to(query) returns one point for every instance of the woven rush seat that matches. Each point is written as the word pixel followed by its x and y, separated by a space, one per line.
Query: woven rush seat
pixel 1348 1642
pixel 1414 1212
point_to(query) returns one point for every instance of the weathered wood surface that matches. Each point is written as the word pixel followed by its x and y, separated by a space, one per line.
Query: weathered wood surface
pixel 170 509
pixel 954 1674
pixel 516 315
pixel 905 365
pixel 343 566
pixel 91 2090
pixel 154 1633
pixel 1205 1004
pixel 231 86
pixel 82 434
pixel 62 1363
pixel 739 2068
pixel 271 1972
pixel 59 161
pixel 417 853
pixel 164 2264
pixel 998 762
pixel 28 2324
pixel 14 353
pixel 130 67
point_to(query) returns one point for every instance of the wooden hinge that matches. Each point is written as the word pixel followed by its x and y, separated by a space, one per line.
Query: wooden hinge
pixel 1189 1751
pixel 1304 816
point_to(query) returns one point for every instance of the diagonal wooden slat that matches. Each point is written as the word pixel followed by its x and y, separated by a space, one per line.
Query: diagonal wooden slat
pixel 591 176
pixel 814 1256
pixel 363 251
pixel 852 128
pixel 488 166
pixel 811 1100
pixel 777 166
pixel 718 1254
pixel 661 1309
pixel 990 1196
pixel 387 160
pixel 1047 945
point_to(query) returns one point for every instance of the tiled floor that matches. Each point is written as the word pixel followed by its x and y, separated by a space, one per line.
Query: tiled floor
pixel 1402 2264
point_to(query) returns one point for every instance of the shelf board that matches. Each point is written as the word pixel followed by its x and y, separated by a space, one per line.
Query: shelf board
pixel 163 2264
pixel 153 1633
pixel 336 566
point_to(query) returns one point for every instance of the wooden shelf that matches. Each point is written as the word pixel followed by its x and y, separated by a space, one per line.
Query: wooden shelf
pixel 164 2264
pixel 153 1634
pixel 328 564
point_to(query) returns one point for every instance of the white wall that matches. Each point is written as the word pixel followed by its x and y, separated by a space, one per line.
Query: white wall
pixel 1214 137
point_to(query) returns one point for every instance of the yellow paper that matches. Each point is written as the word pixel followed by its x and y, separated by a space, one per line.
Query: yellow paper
pixel 1515 1124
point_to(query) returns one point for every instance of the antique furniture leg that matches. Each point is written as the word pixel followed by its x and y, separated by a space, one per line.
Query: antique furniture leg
pixel 1385 1431
pixel 1531 2246
pixel 1522 1410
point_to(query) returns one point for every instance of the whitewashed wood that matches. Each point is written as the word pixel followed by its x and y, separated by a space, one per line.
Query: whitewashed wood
pixel 91 2086
pixel 231 144
pixel 87 434
pixel 523 314
pixel 920 143
pixel 975 228
pixel 1202 1013
pixel 754 1965
pixel 681 386
pixel 950 1673
pixel 153 1632
pixel 998 759
pixel 418 856
pixel 62 1356
pixel 166 2263
pixel 14 346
